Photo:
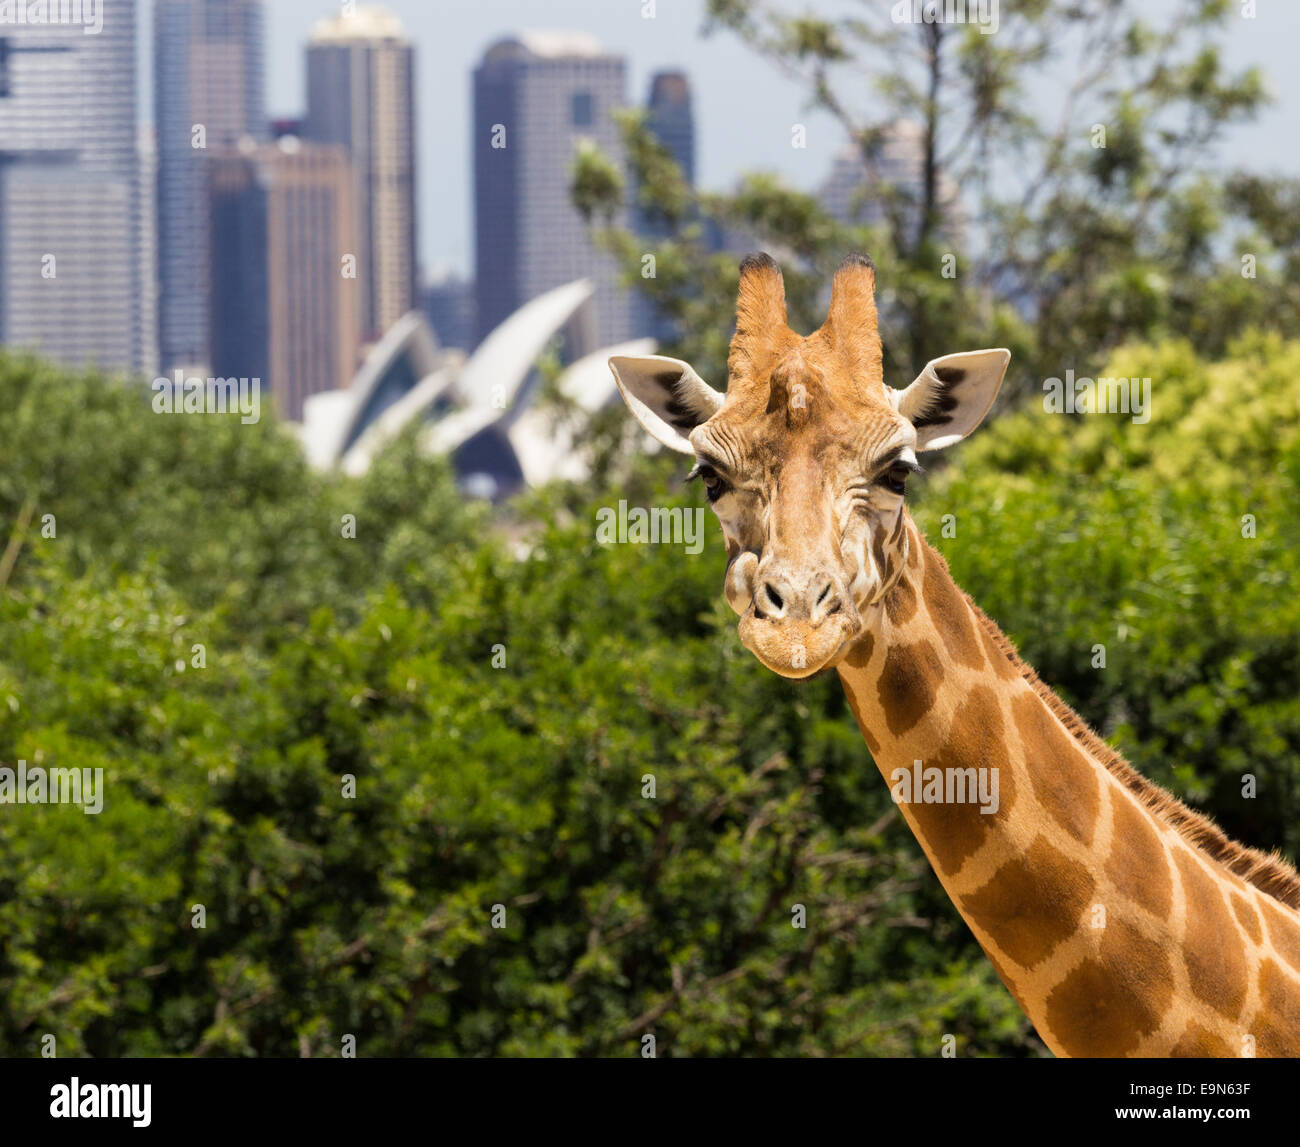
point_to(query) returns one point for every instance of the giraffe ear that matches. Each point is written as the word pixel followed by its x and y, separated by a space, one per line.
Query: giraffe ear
pixel 951 396
pixel 666 396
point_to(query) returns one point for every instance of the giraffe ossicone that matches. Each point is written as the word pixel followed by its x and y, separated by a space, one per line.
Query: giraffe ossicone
pixel 1123 923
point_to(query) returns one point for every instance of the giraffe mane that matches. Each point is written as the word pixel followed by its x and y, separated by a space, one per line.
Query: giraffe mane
pixel 1271 874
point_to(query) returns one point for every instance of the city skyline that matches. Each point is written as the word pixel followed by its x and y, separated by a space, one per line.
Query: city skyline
pixel 229 59
pixel 730 86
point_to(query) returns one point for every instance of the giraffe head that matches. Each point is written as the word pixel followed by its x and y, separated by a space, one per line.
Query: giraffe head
pixel 806 457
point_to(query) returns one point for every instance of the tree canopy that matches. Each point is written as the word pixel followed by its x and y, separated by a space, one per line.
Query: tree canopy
pixel 391 740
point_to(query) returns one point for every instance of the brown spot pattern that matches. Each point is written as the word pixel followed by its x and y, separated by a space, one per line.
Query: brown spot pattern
pixel 878 554
pixel 1216 967
pixel 954 832
pixel 1064 780
pixel 952 616
pixel 1138 866
pixel 1284 932
pixel 1201 1043
pixel 1277 1027
pixel 1032 903
pixel 1106 1005
pixel 1246 914
pixel 900 602
pixel 908 684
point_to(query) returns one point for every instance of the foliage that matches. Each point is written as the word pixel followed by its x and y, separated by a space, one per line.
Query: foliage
pixel 1068 195
pixel 475 785
pixel 1172 544
pixel 181 606
pixel 521 784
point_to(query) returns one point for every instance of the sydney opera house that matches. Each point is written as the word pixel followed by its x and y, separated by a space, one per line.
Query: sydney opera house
pixel 480 409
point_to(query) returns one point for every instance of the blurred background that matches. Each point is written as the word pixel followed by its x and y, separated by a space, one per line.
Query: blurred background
pixel 377 713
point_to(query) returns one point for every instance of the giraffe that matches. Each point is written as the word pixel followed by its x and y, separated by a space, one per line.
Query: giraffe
pixel 1122 922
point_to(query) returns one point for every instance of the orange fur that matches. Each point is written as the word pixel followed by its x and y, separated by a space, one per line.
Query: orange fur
pixel 1270 874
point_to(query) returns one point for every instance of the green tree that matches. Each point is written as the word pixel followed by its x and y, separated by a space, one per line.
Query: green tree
pixel 422 724
pixel 1081 139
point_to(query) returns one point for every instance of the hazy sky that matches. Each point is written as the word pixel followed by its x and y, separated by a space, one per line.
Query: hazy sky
pixel 744 109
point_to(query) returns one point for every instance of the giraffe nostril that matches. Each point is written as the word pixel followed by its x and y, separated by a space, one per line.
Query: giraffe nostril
pixel 825 590
pixel 772 596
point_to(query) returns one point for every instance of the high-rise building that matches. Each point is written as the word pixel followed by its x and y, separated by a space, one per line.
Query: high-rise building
pixel 670 118
pixel 537 98
pixel 70 212
pixel 361 94
pixel 283 310
pixel 208 94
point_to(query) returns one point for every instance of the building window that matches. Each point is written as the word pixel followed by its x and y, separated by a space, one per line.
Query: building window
pixel 583 111
pixel 4 67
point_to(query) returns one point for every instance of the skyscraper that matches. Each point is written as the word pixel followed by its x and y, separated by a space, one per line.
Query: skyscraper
pixel 208 94
pixel 361 94
pixel 537 98
pixel 70 214
pixel 670 118
pixel 283 222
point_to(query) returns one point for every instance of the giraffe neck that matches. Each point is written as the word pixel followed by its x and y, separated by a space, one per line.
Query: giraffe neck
pixel 1113 930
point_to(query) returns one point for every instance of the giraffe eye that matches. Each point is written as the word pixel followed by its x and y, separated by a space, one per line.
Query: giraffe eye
pixel 895 479
pixel 713 483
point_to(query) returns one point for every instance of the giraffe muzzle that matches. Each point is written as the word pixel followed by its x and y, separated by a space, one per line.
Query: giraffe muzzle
pixel 798 630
